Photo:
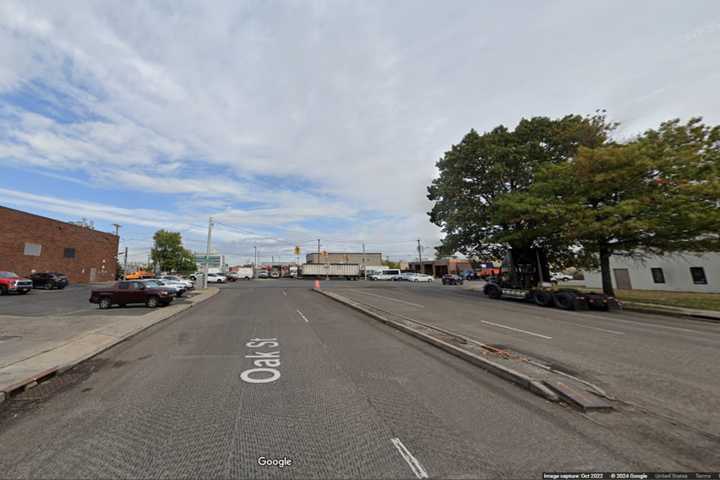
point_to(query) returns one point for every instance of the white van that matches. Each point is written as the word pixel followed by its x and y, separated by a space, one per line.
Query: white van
pixel 388 274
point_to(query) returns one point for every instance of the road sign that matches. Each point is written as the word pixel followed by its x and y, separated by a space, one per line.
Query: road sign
pixel 297 250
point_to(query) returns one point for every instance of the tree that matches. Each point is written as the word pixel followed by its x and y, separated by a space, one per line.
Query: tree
pixel 482 168
pixel 169 253
pixel 84 222
pixel 658 193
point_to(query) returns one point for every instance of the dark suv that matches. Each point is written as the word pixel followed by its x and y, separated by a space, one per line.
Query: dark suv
pixel 49 280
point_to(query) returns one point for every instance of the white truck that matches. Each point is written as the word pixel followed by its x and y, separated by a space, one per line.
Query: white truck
pixel 349 271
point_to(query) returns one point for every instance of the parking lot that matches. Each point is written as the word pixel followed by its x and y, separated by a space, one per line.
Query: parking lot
pixel 71 301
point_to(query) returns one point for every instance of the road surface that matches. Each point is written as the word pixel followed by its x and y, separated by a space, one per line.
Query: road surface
pixel 353 398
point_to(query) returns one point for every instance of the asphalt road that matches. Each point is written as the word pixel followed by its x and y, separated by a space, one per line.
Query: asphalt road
pixel 354 398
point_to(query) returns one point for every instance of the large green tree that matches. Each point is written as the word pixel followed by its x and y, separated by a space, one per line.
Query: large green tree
pixel 656 194
pixel 479 170
pixel 170 255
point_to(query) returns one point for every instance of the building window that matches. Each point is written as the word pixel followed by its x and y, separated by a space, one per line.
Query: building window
pixel 33 249
pixel 69 253
pixel 658 275
pixel 698 275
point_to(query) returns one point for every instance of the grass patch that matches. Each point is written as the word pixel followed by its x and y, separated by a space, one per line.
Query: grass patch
pixel 703 301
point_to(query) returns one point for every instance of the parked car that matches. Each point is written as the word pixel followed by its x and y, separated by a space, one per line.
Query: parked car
pixel 421 277
pixel 216 278
pixel 407 276
pixel 139 275
pixel 274 274
pixel 130 292
pixel 189 285
pixel 49 280
pixel 263 274
pixel 390 274
pixel 11 282
pixel 452 279
pixel 177 289
pixel 560 277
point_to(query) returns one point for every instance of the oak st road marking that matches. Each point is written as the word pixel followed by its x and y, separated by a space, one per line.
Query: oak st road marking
pixel 415 466
pixel 393 299
pixel 517 330
pixel 266 363
pixel 303 316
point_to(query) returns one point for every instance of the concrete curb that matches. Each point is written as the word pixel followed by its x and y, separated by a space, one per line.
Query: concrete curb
pixel 517 378
pixel 85 347
pixel 669 312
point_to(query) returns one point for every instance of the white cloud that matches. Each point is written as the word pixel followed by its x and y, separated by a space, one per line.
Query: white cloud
pixel 357 99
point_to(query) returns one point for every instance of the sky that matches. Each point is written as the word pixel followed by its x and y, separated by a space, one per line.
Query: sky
pixel 289 121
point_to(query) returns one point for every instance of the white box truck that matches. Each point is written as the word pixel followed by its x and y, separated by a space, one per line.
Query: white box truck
pixel 349 271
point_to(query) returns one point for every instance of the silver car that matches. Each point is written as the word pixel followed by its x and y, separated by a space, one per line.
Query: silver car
pixel 176 289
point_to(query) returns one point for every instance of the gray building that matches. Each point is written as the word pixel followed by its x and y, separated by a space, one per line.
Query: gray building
pixel 345 257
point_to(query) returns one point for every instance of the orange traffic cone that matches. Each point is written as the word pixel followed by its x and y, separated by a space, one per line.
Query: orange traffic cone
pixel 317 284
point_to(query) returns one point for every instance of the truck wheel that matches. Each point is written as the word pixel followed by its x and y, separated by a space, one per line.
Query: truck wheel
pixel 492 291
pixel 564 300
pixel 151 302
pixel 542 298
pixel 105 303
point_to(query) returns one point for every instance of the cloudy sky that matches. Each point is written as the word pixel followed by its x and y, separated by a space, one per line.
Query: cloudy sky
pixel 289 121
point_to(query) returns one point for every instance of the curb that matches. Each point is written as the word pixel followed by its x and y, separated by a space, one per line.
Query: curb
pixel 630 307
pixel 32 380
pixel 513 376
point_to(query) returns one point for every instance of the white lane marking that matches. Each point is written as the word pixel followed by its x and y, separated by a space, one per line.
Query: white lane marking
pixel 415 466
pixel 648 325
pixel 393 299
pixel 285 292
pixel 303 316
pixel 517 330
pixel 600 329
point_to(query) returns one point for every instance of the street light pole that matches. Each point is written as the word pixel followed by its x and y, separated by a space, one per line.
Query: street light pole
pixel 207 254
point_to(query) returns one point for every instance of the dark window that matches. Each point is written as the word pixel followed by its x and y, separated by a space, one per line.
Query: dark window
pixel 69 253
pixel 123 285
pixel 698 275
pixel 658 275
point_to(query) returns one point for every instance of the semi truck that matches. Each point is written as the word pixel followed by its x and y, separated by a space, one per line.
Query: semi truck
pixel 349 271
pixel 525 275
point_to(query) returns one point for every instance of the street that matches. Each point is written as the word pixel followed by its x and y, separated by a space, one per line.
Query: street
pixel 269 373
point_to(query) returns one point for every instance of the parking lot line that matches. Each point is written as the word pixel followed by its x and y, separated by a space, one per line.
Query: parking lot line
pixel 393 299
pixel 412 462
pixel 517 330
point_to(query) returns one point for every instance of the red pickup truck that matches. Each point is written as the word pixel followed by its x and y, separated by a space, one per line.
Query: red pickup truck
pixel 11 282
pixel 128 292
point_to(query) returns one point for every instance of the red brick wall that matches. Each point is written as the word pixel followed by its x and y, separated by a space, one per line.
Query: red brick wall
pixel 93 249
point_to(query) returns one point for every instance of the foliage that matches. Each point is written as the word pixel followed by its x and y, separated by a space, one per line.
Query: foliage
pixel 169 253
pixel 84 222
pixel 658 193
pixel 479 170
pixel 390 264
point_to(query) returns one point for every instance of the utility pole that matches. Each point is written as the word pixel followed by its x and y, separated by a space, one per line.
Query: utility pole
pixel 422 270
pixel 207 254
pixel 117 229
pixel 125 264
pixel 363 262
pixel 318 257
pixel 255 263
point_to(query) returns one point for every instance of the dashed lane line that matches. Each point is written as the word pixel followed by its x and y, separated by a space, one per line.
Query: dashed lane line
pixel 392 299
pixel 517 330
pixel 412 462
pixel 303 316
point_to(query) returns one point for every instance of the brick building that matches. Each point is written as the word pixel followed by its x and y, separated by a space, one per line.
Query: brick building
pixel 438 268
pixel 31 243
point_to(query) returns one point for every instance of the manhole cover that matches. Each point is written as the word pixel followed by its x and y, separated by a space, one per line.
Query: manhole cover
pixel 5 338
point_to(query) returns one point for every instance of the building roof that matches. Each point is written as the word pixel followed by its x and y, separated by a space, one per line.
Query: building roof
pixel 58 221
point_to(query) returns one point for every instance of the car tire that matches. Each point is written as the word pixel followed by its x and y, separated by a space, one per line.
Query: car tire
pixel 152 302
pixel 105 303
pixel 542 298
pixel 3 290
pixel 564 300
pixel 23 292
pixel 492 291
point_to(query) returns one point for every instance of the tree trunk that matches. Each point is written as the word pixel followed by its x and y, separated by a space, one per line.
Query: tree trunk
pixel 605 271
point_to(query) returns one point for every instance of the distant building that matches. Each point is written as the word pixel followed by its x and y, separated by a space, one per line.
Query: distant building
pixel 438 268
pixel 30 243
pixel 679 272
pixel 346 257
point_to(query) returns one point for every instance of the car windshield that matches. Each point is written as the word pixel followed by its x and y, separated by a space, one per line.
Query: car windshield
pixel 8 275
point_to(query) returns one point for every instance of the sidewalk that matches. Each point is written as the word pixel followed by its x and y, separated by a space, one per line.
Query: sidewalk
pixel 32 348
pixel 639 307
